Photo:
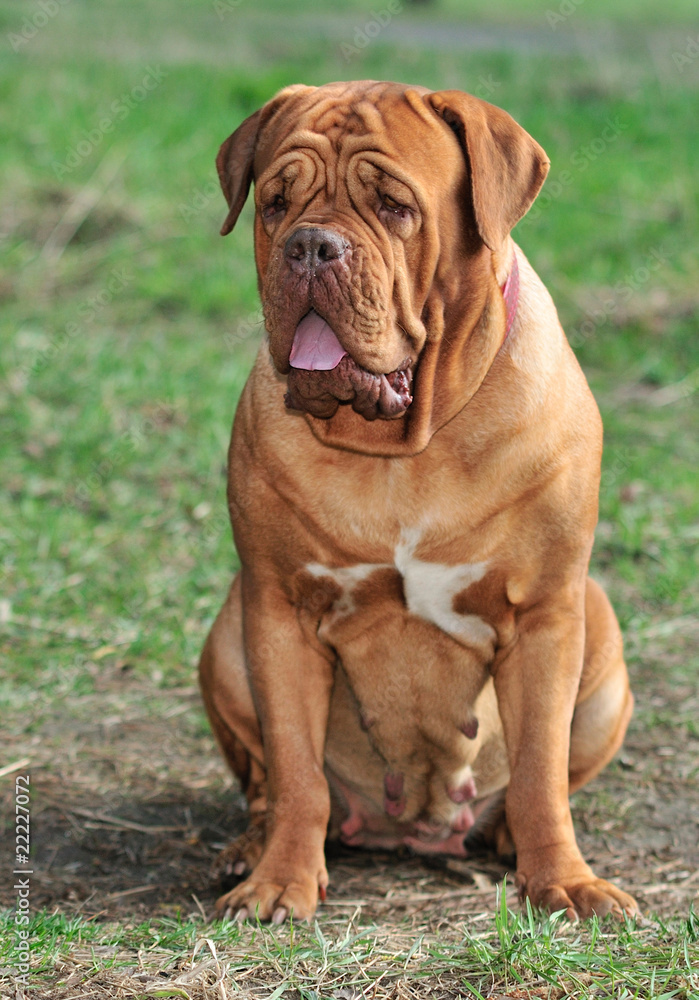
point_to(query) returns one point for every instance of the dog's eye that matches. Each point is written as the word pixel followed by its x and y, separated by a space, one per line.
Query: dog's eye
pixel 393 212
pixel 392 205
pixel 276 206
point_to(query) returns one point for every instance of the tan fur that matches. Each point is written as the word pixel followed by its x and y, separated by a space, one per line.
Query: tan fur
pixel 412 631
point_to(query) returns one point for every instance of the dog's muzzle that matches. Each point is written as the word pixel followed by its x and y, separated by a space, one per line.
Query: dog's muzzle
pixel 323 375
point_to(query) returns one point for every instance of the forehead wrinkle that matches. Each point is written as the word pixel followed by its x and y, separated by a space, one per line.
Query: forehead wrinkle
pixel 305 143
pixel 436 138
pixel 330 114
pixel 298 140
pixel 415 100
pixel 372 116
pixel 361 113
pixel 369 115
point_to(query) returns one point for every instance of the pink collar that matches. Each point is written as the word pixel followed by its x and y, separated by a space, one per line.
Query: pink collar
pixel 510 293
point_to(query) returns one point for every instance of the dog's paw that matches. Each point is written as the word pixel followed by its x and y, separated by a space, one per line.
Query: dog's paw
pixel 238 858
pixel 266 897
pixel 581 898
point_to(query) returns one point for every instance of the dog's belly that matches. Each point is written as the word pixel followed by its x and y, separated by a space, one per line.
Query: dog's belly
pixel 410 776
pixel 415 746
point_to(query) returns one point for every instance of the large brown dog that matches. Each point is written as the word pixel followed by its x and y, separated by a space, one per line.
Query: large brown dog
pixel 413 489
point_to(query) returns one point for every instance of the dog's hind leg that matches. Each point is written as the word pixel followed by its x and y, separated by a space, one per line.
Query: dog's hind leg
pixel 228 701
pixel 604 704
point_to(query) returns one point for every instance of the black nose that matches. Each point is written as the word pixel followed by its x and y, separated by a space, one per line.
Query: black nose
pixel 314 246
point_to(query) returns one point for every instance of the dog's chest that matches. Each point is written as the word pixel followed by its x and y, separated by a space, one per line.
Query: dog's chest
pixel 464 601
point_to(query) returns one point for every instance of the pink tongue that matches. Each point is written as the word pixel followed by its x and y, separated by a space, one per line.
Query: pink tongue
pixel 315 347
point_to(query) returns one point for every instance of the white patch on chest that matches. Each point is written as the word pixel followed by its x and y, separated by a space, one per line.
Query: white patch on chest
pixel 430 589
pixel 346 577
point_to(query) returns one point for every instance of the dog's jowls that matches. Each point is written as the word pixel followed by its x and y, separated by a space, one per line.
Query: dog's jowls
pixel 412 652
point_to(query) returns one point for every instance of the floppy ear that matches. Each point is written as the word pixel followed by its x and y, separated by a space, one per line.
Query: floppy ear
pixel 235 157
pixel 234 165
pixel 507 166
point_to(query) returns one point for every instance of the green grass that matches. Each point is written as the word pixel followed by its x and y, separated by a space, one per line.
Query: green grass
pixel 528 951
pixel 116 412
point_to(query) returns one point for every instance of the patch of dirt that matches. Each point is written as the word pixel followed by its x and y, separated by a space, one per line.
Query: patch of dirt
pixel 131 802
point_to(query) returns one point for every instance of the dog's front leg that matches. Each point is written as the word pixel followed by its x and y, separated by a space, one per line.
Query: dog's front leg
pixel 537 684
pixel 291 682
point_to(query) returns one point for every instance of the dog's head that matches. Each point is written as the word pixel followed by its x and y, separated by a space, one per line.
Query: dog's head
pixel 379 209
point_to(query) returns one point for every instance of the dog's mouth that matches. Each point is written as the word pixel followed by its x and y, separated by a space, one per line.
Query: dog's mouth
pixel 323 375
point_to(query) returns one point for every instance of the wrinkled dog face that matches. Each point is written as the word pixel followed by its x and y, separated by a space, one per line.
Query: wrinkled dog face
pixel 364 205
pixel 343 225
pixel 340 215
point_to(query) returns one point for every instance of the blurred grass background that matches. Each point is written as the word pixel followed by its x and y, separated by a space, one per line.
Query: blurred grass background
pixel 128 324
